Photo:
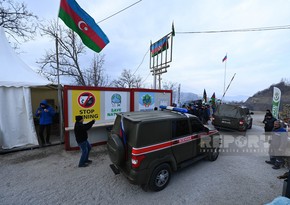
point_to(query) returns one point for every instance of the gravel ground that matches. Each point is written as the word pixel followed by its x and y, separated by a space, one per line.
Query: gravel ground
pixel 50 176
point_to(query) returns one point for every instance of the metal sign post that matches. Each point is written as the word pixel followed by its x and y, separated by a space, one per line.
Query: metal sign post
pixel 161 56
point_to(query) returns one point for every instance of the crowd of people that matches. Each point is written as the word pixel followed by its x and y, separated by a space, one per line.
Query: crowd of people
pixel 202 111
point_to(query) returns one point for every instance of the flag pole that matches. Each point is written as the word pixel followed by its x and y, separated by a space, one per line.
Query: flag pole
pixel 59 88
pixel 225 75
pixel 229 85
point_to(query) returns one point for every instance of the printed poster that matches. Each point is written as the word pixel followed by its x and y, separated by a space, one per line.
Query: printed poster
pixel 86 104
pixel 146 101
pixel 115 102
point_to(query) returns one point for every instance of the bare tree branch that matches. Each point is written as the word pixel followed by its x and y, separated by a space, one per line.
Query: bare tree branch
pixel 70 51
pixel 17 20
pixel 128 80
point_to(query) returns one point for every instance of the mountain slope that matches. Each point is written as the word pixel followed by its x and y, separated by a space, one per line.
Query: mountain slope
pixel 263 99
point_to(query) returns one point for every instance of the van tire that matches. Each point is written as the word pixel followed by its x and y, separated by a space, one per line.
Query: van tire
pixel 144 187
pixel 250 125
pixel 160 177
pixel 213 155
pixel 116 149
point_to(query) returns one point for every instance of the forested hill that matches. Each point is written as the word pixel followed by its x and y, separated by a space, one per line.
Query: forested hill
pixel 263 99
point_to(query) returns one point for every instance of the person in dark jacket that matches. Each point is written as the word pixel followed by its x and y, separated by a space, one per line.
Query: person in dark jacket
pixel 269 122
pixel 45 114
pixel 278 145
pixel 81 135
pixel 268 112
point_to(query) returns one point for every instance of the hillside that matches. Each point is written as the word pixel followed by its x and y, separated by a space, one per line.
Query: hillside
pixel 263 99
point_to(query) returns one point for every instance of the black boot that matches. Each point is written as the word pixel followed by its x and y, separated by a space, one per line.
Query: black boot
pixel 270 162
pixel 276 166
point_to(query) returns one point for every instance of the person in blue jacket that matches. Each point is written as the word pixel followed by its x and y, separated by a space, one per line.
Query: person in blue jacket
pixel 45 113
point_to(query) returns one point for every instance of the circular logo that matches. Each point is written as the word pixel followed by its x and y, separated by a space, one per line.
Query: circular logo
pixel 116 98
pixel 147 100
pixel 276 97
pixel 86 100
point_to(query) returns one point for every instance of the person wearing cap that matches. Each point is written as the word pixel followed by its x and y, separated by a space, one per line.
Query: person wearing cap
pixel 81 135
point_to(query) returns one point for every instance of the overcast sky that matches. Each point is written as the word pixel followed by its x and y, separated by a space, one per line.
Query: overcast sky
pixel 259 59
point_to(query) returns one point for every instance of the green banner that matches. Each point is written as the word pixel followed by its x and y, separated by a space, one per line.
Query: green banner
pixel 276 102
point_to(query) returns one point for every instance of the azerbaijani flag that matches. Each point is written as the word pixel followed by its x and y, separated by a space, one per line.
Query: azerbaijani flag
pixel 159 46
pixel 83 24
pixel 225 58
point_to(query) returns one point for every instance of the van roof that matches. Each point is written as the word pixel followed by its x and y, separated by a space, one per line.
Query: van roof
pixel 233 105
pixel 142 116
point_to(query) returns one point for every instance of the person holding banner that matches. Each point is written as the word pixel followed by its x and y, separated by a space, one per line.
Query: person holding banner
pixel 81 135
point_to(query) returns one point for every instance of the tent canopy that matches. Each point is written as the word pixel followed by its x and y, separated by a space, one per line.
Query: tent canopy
pixel 13 71
pixel 16 119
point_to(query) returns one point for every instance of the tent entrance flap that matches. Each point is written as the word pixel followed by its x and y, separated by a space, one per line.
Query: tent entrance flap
pixel 16 119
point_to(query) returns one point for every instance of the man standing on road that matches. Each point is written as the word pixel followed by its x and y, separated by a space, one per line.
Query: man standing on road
pixel 278 145
pixel 269 122
pixel 81 135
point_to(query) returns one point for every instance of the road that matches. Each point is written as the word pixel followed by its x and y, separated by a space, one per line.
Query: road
pixel 50 176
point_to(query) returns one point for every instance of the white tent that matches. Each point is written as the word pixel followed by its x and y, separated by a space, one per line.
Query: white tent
pixel 16 115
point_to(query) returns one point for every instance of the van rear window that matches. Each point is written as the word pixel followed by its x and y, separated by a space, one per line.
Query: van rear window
pixel 153 132
pixel 229 111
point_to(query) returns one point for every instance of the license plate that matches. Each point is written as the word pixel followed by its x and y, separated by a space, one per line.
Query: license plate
pixel 226 122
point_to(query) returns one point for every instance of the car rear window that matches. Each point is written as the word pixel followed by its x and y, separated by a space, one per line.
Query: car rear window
pixel 229 111
pixel 153 133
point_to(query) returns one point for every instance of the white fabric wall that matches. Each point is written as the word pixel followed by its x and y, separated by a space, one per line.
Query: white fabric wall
pixel 16 118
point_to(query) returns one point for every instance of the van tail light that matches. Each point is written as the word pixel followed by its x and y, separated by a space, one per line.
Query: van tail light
pixel 136 160
pixel 241 122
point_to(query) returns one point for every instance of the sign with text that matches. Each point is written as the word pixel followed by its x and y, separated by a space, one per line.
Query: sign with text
pixel 115 102
pixel 86 104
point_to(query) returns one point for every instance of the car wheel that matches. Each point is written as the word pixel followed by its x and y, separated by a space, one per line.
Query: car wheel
pixel 144 187
pixel 250 125
pixel 213 155
pixel 160 177
pixel 116 149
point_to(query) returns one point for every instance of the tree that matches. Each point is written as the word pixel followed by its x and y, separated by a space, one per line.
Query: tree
pixel 127 80
pixel 95 74
pixel 171 86
pixel 18 21
pixel 70 50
